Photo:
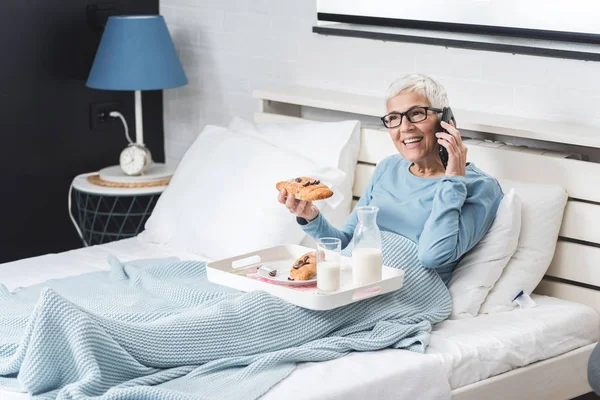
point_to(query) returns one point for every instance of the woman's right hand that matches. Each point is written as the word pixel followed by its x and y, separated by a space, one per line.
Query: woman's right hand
pixel 300 208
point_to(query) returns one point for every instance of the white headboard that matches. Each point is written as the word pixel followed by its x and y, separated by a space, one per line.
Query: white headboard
pixel 575 270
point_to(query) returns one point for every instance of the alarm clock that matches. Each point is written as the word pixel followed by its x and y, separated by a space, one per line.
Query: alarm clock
pixel 135 159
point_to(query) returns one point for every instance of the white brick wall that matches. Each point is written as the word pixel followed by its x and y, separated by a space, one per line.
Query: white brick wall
pixel 231 47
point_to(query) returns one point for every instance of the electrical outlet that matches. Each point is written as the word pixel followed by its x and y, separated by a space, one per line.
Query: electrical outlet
pixel 99 117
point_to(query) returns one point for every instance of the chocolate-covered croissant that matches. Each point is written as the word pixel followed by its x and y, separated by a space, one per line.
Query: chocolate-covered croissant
pixel 305 267
pixel 305 188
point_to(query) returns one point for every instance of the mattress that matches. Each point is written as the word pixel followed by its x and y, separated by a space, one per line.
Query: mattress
pixel 468 350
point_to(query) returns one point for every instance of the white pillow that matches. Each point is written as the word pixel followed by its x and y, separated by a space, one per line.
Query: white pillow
pixel 331 144
pixel 542 209
pixel 477 272
pixel 222 200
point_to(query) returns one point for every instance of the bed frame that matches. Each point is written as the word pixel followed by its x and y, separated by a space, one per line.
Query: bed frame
pixel 562 377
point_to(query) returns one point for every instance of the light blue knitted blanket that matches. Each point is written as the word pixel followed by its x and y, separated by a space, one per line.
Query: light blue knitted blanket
pixel 157 329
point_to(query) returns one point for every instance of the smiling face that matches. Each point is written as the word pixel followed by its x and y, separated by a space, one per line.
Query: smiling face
pixel 416 142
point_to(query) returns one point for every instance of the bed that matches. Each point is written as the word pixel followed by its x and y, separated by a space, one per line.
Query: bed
pixel 540 352
pixel 471 351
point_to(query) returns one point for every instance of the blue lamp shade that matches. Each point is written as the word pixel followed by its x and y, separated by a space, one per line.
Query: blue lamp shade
pixel 136 53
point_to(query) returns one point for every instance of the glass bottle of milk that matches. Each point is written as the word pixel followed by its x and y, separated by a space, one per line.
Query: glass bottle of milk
pixel 366 253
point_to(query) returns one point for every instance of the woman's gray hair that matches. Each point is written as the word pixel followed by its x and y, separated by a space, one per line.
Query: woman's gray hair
pixel 423 85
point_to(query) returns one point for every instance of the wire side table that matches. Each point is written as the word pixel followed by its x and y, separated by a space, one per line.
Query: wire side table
pixel 104 214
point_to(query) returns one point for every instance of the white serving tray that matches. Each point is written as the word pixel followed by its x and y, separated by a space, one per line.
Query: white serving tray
pixel 241 273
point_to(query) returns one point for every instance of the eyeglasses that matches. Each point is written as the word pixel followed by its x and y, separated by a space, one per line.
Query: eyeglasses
pixel 414 114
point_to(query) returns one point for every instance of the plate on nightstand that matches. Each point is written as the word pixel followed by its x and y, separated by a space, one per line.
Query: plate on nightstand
pixel 155 172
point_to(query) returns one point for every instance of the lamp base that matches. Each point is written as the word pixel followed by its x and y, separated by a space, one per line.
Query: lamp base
pixel 155 172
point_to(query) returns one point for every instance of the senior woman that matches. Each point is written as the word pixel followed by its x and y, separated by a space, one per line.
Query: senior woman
pixel 445 211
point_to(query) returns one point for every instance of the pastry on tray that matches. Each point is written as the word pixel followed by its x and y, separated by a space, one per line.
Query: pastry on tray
pixel 304 268
pixel 305 188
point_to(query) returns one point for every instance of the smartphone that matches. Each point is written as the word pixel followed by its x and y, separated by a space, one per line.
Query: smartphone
pixel 447 116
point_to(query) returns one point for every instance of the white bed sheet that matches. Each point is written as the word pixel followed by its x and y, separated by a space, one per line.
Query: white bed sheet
pixel 34 270
pixel 468 350
pixel 474 349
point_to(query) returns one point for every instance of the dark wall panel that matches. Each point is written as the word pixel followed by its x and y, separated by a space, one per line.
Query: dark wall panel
pixel 47 48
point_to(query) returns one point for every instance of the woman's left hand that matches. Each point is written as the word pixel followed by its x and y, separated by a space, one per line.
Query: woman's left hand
pixel 457 151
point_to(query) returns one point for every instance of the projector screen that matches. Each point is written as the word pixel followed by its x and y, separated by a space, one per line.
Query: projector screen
pixel 552 19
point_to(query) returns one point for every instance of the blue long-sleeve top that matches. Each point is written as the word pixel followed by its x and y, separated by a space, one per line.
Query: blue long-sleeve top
pixel 445 216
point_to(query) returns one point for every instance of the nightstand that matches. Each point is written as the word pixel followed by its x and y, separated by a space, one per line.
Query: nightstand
pixel 104 214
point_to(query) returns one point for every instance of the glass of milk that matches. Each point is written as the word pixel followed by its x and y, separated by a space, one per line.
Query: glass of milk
pixel 328 264
pixel 366 251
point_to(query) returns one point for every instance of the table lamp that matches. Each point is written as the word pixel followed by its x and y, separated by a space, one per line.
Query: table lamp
pixel 136 53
